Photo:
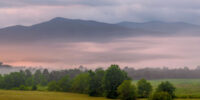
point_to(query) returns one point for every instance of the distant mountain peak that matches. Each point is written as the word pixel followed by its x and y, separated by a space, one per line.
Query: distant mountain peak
pixel 58 19
pixel 158 22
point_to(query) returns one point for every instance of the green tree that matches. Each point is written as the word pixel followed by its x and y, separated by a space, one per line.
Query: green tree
pixel 166 87
pixel 14 80
pixel 43 80
pixel 92 84
pixel 28 73
pixel 144 88
pixel 64 84
pixel 34 87
pixel 37 77
pixel 161 96
pixel 46 74
pixel 80 83
pixel 29 81
pixel 127 91
pixel 96 82
pixel 1 81
pixel 114 76
pixel 53 86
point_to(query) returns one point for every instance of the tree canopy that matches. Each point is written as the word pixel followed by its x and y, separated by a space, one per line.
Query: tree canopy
pixel 166 87
pixel 114 76
pixel 127 91
pixel 144 88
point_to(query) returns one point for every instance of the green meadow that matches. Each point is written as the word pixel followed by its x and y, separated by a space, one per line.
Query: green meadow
pixel 39 95
pixel 185 88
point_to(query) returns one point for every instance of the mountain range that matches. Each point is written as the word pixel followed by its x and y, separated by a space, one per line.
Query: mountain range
pixel 86 30
pixel 162 27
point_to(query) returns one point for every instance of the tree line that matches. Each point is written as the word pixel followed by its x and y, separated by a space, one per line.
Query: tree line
pixel 27 78
pixel 163 73
pixel 147 73
pixel 112 83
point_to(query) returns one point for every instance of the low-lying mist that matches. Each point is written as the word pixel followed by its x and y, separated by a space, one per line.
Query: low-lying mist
pixel 137 52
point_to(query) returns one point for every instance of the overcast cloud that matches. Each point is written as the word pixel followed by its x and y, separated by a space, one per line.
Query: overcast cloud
pixel 27 12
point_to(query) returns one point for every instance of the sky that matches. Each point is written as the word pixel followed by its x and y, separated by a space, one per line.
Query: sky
pixel 138 52
pixel 28 12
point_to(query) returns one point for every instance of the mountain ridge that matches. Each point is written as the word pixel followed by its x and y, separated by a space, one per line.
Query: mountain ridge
pixel 87 30
pixel 62 28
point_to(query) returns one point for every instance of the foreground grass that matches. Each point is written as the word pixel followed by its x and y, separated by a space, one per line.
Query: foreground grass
pixel 37 95
pixel 185 88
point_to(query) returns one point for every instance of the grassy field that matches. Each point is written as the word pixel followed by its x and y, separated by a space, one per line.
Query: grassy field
pixel 185 88
pixel 35 95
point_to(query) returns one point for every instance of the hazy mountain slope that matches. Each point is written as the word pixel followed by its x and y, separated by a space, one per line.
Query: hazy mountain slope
pixel 67 29
pixel 63 29
pixel 170 28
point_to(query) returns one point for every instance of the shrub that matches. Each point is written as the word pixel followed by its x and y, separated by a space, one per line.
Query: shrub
pixel 53 86
pixel 127 91
pixel 22 87
pixel 166 87
pixel 34 87
pixel 161 96
pixel 144 88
